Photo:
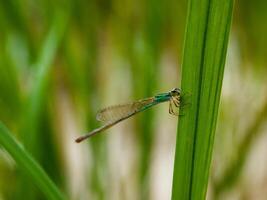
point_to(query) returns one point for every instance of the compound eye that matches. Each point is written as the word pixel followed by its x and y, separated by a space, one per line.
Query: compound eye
pixel 175 91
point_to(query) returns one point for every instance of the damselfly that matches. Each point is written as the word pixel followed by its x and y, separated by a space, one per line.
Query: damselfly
pixel 115 114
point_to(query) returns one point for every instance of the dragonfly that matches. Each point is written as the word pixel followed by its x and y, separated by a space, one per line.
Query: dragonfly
pixel 114 114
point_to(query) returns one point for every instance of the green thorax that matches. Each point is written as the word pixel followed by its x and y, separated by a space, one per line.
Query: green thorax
pixel 162 97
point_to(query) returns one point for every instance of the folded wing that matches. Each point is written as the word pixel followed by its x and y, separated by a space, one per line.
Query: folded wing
pixel 117 112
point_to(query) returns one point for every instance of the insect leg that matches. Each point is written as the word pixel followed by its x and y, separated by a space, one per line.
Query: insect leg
pixel 171 108
pixel 176 101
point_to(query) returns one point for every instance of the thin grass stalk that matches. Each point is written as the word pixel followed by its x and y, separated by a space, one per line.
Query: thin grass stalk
pixel 235 168
pixel 31 130
pixel 206 40
pixel 28 165
pixel 43 67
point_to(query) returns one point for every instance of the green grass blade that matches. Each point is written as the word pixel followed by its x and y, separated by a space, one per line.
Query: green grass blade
pixel 242 150
pixel 43 67
pixel 34 128
pixel 27 164
pixel 206 39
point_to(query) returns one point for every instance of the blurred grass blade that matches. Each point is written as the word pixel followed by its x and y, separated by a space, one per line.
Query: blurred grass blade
pixel 235 168
pixel 206 39
pixel 32 134
pixel 43 67
pixel 27 164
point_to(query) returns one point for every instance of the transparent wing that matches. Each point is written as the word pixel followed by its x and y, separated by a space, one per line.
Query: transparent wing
pixel 116 112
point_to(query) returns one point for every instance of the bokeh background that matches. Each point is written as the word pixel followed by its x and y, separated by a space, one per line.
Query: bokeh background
pixel 60 61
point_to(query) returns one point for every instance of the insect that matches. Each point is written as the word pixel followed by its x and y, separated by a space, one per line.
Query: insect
pixel 117 113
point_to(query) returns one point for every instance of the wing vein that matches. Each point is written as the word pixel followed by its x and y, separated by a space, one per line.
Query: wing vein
pixel 113 113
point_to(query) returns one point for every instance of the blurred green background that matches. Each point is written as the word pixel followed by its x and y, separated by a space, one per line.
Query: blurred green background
pixel 60 61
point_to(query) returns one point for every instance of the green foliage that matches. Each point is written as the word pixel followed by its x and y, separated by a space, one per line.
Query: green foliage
pixel 28 165
pixel 40 80
pixel 206 40
pixel 61 61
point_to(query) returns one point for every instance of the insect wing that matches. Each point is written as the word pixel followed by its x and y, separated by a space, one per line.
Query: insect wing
pixel 116 112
